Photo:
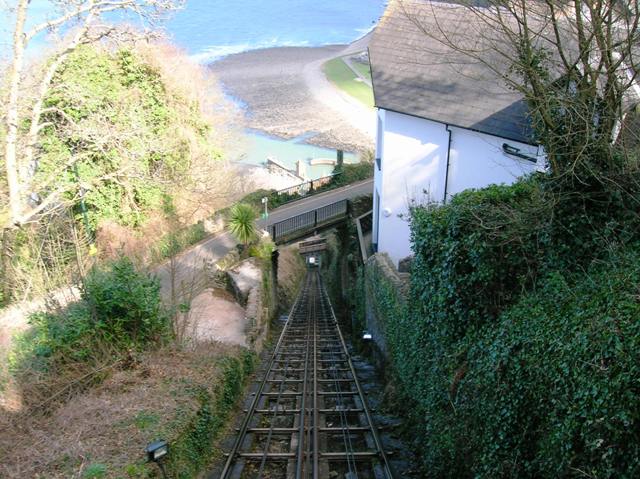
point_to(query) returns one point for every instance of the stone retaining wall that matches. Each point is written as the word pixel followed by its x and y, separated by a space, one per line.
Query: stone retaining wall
pixel 385 297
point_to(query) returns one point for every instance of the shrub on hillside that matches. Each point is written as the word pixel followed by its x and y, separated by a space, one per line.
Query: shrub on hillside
pixel 125 304
pixel 120 309
pixel 351 173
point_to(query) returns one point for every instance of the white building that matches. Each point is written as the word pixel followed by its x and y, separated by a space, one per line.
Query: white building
pixel 445 123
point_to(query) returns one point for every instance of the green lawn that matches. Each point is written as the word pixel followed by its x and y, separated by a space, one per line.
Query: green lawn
pixel 363 69
pixel 341 75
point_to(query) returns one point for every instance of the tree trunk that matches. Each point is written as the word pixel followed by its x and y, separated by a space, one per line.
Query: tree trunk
pixel 30 161
pixel 11 160
pixel 5 279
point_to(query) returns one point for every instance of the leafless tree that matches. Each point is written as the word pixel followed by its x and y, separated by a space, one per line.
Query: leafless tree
pixel 574 62
pixel 79 22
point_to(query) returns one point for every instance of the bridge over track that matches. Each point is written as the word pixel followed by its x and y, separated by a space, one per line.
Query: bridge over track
pixel 188 265
pixel 312 221
pixel 308 417
pixel 307 205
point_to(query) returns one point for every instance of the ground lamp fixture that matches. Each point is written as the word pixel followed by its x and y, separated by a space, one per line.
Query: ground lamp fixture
pixel 367 336
pixel 157 452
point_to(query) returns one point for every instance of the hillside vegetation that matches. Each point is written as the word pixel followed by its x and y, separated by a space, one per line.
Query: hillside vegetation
pixel 132 147
pixel 137 152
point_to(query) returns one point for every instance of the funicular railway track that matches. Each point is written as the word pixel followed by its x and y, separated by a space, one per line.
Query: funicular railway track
pixel 308 417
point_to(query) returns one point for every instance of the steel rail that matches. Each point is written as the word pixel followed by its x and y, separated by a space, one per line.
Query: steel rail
pixel 245 423
pixel 340 404
pixel 270 434
pixel 316 415
pixel 365 408
pixel 311 395
pixel 303 411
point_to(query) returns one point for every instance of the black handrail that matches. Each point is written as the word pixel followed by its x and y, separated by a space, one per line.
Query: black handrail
pixel 307 186
pixel 309 220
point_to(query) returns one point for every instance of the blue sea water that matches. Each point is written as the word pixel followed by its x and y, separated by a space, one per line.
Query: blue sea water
pixel 289 152
pixel 211 29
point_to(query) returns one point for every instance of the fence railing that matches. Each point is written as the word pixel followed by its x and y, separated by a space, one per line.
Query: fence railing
pixel 309 220
pixel 306 188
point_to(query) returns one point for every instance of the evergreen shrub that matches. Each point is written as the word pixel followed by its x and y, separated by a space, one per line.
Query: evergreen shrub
pixel 125 304
pixel 120 309
pixel 517 351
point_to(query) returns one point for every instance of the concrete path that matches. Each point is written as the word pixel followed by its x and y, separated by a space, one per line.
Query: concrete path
pixel 188 267
pixel 347 61
pixel 357 114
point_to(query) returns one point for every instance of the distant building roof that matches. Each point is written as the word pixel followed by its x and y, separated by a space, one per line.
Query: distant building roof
pixel 416 74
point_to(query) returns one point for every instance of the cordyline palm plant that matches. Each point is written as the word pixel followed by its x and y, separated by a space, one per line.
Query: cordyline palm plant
pixel 242 223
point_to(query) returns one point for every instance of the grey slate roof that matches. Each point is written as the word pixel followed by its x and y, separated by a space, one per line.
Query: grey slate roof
pixel 416 74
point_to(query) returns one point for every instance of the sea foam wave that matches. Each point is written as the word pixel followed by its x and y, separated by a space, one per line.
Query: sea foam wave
pixel 363 31
pixel 216 52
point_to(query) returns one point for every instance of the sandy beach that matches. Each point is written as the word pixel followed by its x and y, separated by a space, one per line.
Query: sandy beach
pixel 287 95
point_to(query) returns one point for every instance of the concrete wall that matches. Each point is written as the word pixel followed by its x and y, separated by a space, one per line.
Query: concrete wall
pixel 414 153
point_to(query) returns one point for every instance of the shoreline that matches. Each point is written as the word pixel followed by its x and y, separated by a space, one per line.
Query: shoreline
pixel 284 93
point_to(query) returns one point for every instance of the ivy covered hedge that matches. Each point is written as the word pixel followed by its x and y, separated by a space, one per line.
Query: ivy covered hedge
pixel 554 388
pixel 469 265
pixel 517 351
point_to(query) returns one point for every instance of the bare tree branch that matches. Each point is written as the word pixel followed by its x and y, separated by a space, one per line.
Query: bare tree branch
pixel 20 171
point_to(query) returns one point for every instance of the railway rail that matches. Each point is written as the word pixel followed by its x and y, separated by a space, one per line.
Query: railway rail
pixel 309 417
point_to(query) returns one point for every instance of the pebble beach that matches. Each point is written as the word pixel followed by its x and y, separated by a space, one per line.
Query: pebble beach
pixel 286 94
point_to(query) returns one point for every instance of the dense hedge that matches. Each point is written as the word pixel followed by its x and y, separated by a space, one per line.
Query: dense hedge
pixel 517 351
pixel 554 389
pixel 352 173
pixel 468 266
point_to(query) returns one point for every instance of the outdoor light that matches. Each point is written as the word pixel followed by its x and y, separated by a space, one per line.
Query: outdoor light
pixel 156 452
pixel 367 336
pixel 312 260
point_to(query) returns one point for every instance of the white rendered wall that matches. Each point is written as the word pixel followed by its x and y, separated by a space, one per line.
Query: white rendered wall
pixel 377 176
pixel 413 162
pixel 414 166
pixel 478 160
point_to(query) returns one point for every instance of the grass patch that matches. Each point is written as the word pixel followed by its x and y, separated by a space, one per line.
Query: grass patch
pixel 183 396
pixel 343 77
pixel 363 69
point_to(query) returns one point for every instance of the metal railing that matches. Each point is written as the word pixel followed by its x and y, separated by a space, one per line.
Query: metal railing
pixel 309 220
pixel 306 188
